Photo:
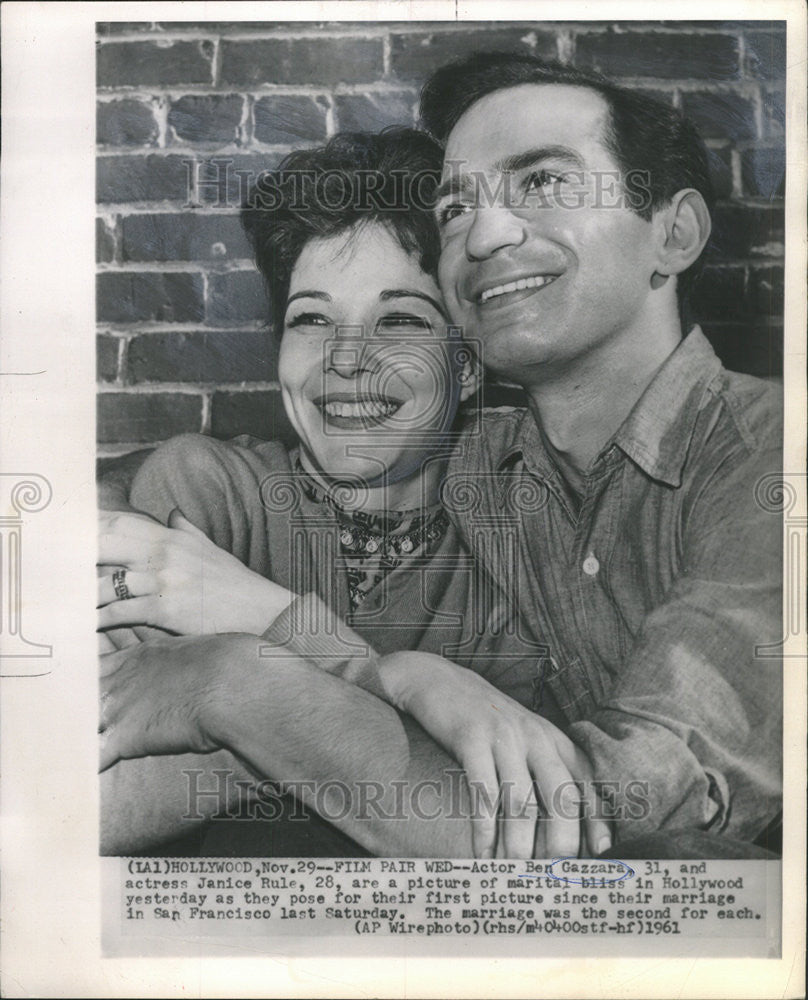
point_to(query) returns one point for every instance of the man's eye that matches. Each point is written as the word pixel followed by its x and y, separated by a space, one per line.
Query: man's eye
pixel 449 212
pixel 303 320
pixel 403 321
pixel 539 179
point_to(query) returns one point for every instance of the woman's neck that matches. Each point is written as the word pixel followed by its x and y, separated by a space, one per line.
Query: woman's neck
pixel 421 489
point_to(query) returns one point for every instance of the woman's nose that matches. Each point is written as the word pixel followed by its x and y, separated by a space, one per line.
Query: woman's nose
pixel 494 227
pixel 346 354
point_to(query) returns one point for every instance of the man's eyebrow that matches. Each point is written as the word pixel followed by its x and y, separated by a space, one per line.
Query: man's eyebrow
pixel 308 294
pixel 411 293
pixel 518 161
pixel 453 185
pixel 462 183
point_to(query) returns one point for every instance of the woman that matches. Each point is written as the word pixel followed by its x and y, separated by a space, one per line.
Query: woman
pixel 371 375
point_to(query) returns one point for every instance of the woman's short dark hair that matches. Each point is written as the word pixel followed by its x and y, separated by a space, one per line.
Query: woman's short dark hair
pixel 388 177
pixel 648 139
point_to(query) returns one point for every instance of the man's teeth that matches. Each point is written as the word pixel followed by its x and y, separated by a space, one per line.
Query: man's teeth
pixel 515 286
pixel 361 408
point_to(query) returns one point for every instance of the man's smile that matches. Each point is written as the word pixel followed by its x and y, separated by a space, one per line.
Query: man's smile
pixel 507 288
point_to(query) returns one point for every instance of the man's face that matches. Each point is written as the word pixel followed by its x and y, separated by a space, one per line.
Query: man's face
pixel 542 259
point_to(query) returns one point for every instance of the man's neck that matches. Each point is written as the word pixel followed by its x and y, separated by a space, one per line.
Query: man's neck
pixel 579 409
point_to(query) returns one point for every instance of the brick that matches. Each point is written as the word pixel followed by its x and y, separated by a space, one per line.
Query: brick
pixel 774 113
pixel 720 161
pixel 287 120
pixel 719 294
pixel 260 413
pixel 106 354
pixel 188 236
pixel 147 416
pixel 755 349
pixel 132 297
pixel 746 230
pixel 763 171
pixel 766 55
pixel 372 112
pixel 206 119
pixel 720 116
pixel 416 56
pixel 242 27
pixel 138 64
pixel 104 242
pixel 141 178
pixel 236 297
pixel 661 55
pixel 231 356
pixel 125 123
pixel 225 181
pixel 767 290
pixel 316 61
pixel 106 28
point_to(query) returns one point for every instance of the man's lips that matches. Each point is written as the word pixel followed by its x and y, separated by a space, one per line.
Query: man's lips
pixel 513 289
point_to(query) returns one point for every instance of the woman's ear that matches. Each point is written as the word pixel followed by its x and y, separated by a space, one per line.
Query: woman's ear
pixel 471 373
pixel 684 228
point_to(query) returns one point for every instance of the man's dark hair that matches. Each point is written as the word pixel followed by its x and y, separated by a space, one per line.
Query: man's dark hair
pixel 388 177
pixel 646 137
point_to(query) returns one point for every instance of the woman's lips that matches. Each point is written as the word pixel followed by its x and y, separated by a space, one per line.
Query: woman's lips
pixel 356 412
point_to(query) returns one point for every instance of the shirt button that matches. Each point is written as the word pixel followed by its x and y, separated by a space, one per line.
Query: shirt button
pixel 591 565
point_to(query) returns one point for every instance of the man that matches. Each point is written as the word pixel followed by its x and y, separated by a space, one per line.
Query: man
pixel 573 217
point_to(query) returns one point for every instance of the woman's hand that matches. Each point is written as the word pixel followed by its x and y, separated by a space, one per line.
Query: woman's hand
pixel 179 580
pixel 505 750
pixel 160 697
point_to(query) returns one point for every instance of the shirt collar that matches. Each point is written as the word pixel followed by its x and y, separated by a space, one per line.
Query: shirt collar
pixel 657 432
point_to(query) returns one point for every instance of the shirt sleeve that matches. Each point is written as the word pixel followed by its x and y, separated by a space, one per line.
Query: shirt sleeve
pixel 690 735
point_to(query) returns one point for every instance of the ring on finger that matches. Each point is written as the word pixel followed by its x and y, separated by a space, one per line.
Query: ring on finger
pixel 119 585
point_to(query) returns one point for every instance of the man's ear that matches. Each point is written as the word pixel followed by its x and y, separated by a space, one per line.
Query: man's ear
pixel 684 228
pixel 471 374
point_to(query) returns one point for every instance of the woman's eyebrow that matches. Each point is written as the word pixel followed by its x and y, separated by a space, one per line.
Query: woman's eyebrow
pixel 411 293
pixel 308 294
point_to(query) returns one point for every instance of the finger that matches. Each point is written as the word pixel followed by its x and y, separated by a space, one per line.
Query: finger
pixel 560 823
pixel 137 611
pixel 131 553
pixel 108 752
pixel 481 775
pixel 597 830
pixel 124 637
pixel 126 522
pixel 109 662
pixel 519 809
pixel 177 520
pixel 138 585
pixel 105 644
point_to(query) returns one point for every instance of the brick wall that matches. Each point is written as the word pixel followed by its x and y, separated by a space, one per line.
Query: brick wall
pixel 189 113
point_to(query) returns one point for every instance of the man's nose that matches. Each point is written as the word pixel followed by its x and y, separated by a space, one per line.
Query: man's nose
pixel 494 227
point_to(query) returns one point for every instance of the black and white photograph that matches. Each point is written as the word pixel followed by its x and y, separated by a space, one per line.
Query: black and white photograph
pixel 443 545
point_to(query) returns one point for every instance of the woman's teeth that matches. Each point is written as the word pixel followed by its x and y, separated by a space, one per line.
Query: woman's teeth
pixel 362 408
pixel 515 286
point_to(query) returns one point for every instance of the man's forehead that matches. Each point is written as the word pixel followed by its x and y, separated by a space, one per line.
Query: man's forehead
pixel 529 115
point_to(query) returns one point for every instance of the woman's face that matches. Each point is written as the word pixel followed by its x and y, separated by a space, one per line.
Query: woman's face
pixel 369 375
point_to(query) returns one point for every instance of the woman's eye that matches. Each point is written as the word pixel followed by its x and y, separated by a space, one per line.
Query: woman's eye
pixel 449 212
pixel 403 321
pixel 304 320
pixel 539 179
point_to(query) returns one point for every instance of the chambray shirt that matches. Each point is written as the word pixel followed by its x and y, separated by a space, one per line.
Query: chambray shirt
pixel 654 593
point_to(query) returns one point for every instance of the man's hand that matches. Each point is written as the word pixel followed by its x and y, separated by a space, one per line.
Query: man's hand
pixel 505 751
pixel 180 580
pixel 156 696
